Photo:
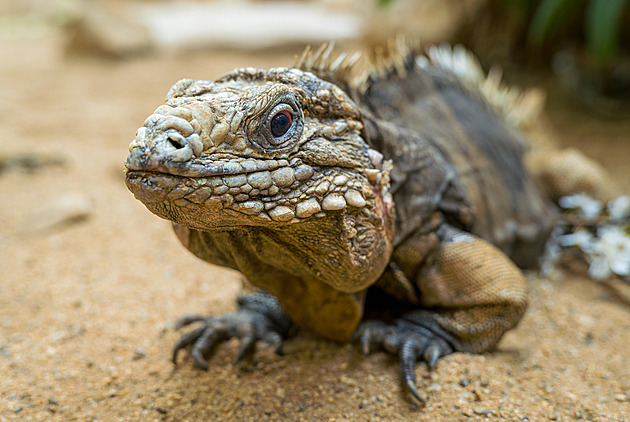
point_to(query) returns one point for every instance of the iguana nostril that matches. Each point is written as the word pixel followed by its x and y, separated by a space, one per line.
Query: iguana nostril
pixel 176 140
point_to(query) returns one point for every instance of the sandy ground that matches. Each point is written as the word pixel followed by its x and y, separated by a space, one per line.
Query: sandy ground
pixel 86 306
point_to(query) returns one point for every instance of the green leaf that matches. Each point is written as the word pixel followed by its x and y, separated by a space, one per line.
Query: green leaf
pixel 549 16
pixel 603 26
pixel 384 3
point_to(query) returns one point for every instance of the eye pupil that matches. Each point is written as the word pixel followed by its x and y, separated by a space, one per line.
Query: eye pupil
pixel 280 124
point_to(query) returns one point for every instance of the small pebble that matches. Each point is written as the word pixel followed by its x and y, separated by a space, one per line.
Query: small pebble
pixel 479 410
pixel 435 387
pixel 347 380
pixel 138 354
pixel 4 350
pixel 161 410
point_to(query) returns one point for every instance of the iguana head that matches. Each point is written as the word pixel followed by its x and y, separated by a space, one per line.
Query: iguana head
pixel 274 148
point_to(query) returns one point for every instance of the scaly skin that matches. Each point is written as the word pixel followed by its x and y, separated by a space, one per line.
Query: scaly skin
pixel 208 162
pixel 318 186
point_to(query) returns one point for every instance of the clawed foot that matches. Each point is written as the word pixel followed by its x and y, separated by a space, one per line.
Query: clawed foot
pixel 407 339
pixel 259 318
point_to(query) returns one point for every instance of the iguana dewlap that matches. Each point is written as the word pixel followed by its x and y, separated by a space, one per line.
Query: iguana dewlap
pixel 323 188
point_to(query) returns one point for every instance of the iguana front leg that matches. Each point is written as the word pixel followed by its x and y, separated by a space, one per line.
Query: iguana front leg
pixel 471 294
pixel 259 318
pixel 288 301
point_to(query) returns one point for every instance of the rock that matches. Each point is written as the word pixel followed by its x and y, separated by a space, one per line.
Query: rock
pixel 138 354
pixel 179 27
pixel 4 350
pixel 63 210
pixel 101 31
pixel 30 162
pixel 479 410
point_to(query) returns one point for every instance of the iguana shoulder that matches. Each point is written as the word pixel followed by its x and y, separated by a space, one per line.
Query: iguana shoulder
pixel 451 133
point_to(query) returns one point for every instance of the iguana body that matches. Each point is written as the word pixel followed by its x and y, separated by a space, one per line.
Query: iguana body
pixel 320 187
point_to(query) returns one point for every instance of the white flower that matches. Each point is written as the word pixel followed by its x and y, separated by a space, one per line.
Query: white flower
pixel 585 206
pixel 619 208
pixel 580 238
pixel 610 254
pixel 553 252
pixel 599 269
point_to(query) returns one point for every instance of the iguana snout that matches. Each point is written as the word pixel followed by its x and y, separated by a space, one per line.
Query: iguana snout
pixel 256 148
pixel 169 136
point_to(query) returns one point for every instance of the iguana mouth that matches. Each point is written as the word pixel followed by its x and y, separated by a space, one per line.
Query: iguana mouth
pixel 206 165
pixel 232 179
pixel 240 191
pixel 215 159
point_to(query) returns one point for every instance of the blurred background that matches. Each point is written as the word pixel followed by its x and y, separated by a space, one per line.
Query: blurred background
pixel 90 280
pixel 585 43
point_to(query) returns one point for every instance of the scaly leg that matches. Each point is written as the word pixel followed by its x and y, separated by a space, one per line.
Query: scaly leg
pixel 472 293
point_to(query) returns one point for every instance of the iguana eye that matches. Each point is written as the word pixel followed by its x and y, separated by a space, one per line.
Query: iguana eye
pixel 279 127
pixel 280 123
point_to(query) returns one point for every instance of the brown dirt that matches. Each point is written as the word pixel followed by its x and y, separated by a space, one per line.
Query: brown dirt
pixel 85 307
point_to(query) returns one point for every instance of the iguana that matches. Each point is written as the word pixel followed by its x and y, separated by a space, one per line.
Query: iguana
pixel 394 207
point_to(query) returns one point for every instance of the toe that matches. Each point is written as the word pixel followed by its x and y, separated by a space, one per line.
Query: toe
pixel 204 343
pixel 431 355
pixel 247 349
pixel 187 320
pixel 185 341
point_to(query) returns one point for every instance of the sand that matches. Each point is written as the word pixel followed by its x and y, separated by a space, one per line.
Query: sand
pixel 90 281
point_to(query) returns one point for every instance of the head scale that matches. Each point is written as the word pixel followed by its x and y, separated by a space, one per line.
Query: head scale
pixel 273 148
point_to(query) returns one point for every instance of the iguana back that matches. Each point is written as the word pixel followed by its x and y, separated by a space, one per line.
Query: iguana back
pixel 453 152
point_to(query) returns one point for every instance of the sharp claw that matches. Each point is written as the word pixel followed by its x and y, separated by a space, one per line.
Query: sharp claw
pixel 259 318
pixel 174 356
pixel 279 350
pixel 200 361
pixel 410 340
pixel 187 320
pixel 185 341
pixel 431 355
pixel 411 385
pixel 203 345
pixel 248 344
pixel 408 355
pixel 276 341
pixel 365 342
